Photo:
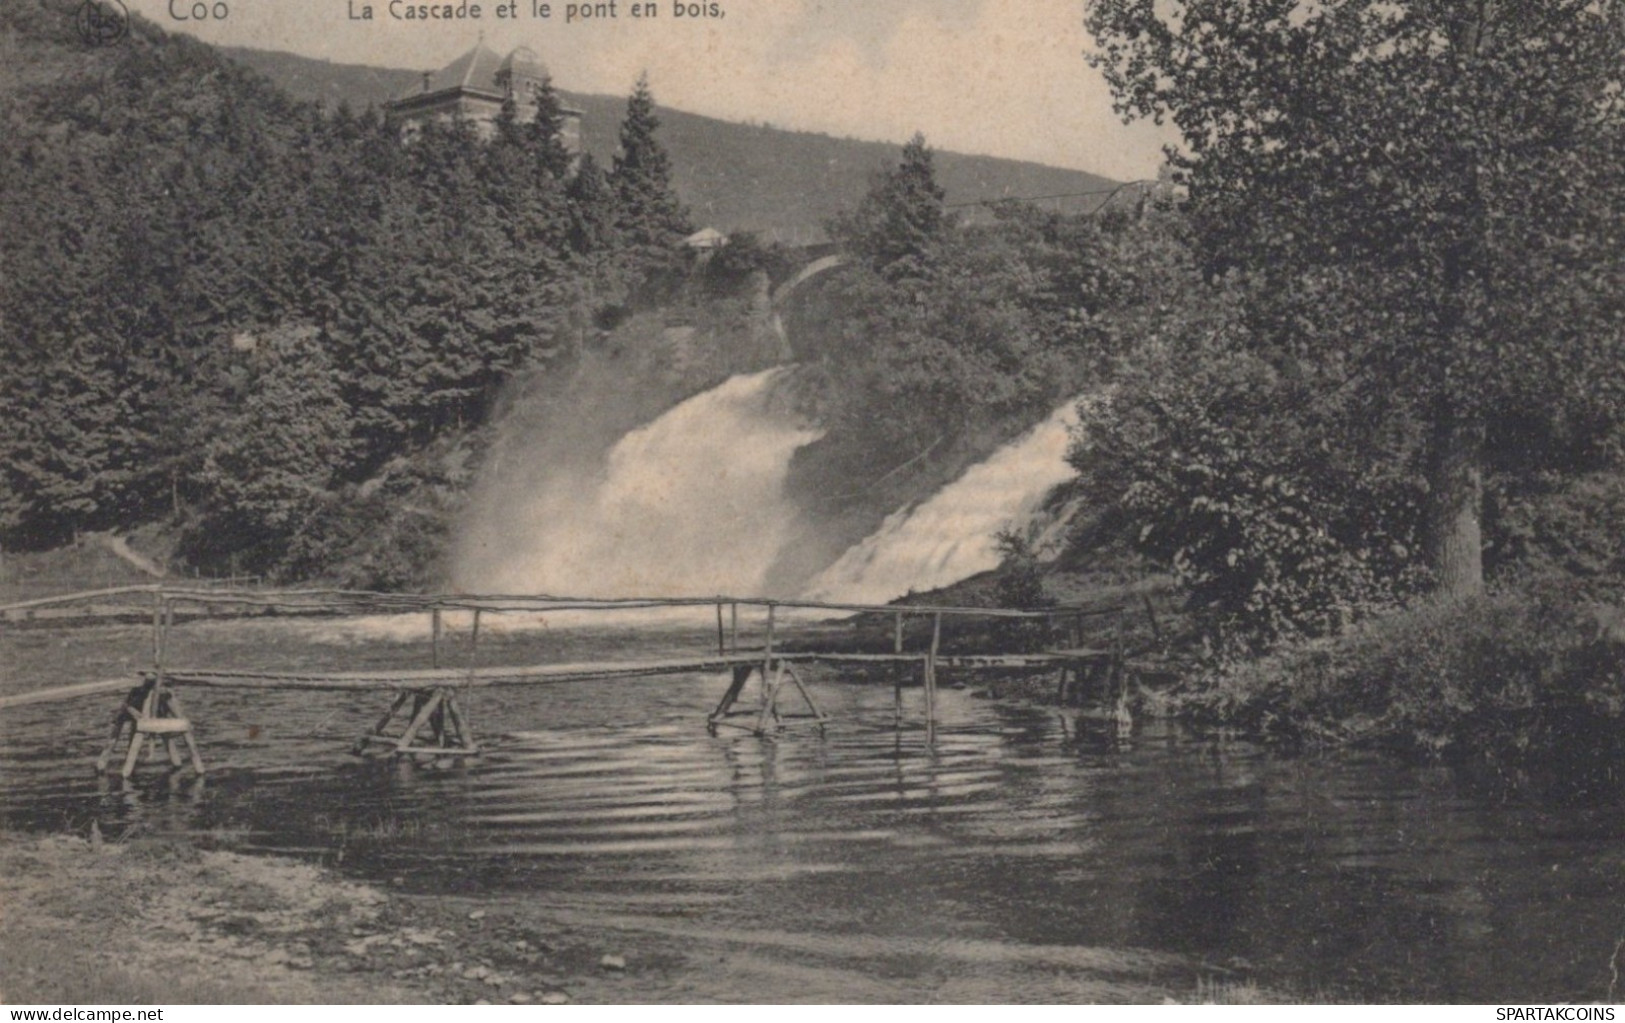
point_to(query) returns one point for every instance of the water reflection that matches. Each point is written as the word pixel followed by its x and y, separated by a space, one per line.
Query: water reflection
pixel 1020 839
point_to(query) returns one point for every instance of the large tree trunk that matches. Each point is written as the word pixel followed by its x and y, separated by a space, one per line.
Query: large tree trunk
pixel 1456 498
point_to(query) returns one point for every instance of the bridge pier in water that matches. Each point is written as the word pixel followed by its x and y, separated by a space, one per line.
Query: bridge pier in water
pixel 153 714
pixel 767 708
pixel 152 711
pixel 435 727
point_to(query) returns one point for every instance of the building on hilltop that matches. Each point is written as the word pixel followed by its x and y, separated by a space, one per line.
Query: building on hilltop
pixel 473 87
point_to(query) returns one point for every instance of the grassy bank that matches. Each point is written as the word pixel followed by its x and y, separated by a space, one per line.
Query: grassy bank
pixel 1526 677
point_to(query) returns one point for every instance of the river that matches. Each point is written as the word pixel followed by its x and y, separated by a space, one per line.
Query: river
pixel 1024 854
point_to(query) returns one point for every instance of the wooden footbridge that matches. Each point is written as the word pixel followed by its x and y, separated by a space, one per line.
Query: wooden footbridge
pixel 425 718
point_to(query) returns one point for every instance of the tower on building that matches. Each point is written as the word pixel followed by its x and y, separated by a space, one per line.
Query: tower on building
pixel 474 87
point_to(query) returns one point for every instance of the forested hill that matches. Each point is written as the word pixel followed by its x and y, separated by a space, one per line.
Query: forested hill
pixel 236 312
pixel 731 175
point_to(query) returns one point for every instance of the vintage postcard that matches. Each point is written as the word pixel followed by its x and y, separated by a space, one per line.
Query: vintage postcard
pixel 812 501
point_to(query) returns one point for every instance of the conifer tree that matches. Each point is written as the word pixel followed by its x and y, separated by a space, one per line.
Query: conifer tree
pixel 650 219
pixel 272 456
pixel 901 217
pixel 508 129
pixel 546 133
pixel 592 209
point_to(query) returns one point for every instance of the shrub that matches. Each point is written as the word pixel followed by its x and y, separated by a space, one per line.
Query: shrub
pixel 1509 676
pixel 1563 527
pixel 1258 494
pixel 1021 585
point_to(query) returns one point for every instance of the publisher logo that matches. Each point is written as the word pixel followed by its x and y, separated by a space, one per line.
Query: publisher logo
pixel 102 22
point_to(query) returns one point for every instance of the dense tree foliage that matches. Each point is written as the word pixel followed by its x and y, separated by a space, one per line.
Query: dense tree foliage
pixel 649 221
pixel 942 338
pixel 1418 208
pixel 1384 353
pixel 220 303
pixel 274 449
pixel 901 218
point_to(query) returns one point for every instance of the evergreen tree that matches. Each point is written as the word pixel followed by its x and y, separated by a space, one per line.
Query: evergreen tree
pixel 508 130
pixel 592 209
pixel 649 218
pixel 546 133
pixel 594 242
pixel 900 218
pixel 277 448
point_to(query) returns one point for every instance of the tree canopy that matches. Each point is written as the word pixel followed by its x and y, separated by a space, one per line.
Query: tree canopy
pixel 900 217
pixel 1421 206
pixel 219 302
pixel 650 218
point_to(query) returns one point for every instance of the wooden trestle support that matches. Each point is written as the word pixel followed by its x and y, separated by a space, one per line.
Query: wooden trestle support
pixel 153 714
pixel 773 673
pixel 766 713
pixel 1100 681
pixel 435 726
pixel 151 711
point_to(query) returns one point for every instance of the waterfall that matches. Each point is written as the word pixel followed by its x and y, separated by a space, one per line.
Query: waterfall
pixel 953 534
pixel 693 503
pixel 690 503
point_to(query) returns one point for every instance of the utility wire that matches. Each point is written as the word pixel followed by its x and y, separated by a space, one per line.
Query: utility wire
pixel 1059 195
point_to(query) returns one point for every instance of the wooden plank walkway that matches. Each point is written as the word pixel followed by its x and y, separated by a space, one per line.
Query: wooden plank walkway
pixel 519 675
pixel 109 685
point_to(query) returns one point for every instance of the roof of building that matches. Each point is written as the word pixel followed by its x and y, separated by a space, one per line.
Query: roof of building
pixel 522 60
pixel 479 70
pixel 706 238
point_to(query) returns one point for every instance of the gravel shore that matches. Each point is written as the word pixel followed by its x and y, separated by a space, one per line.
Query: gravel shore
pixel 164 921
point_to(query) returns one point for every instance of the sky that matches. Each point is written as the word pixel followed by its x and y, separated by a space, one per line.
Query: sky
pixel 1001 77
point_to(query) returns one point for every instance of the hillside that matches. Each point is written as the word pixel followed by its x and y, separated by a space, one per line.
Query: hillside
pixel 272 332
pixel 782 183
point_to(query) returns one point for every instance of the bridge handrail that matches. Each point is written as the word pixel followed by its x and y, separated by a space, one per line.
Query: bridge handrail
pixel 364 601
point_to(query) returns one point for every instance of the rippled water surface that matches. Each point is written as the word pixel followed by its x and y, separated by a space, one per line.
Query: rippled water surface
pixel 1072 861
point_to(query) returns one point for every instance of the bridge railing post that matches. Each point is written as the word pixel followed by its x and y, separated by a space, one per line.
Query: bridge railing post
pixel 158 634
pixel 931 672
pixel 898 670
pixel 767 655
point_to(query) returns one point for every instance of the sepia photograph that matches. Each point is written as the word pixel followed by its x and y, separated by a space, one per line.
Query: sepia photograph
pixel 805 502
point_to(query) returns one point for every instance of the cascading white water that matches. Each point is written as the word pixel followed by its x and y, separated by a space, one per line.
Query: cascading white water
pixel 691 503
pixel 953 534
